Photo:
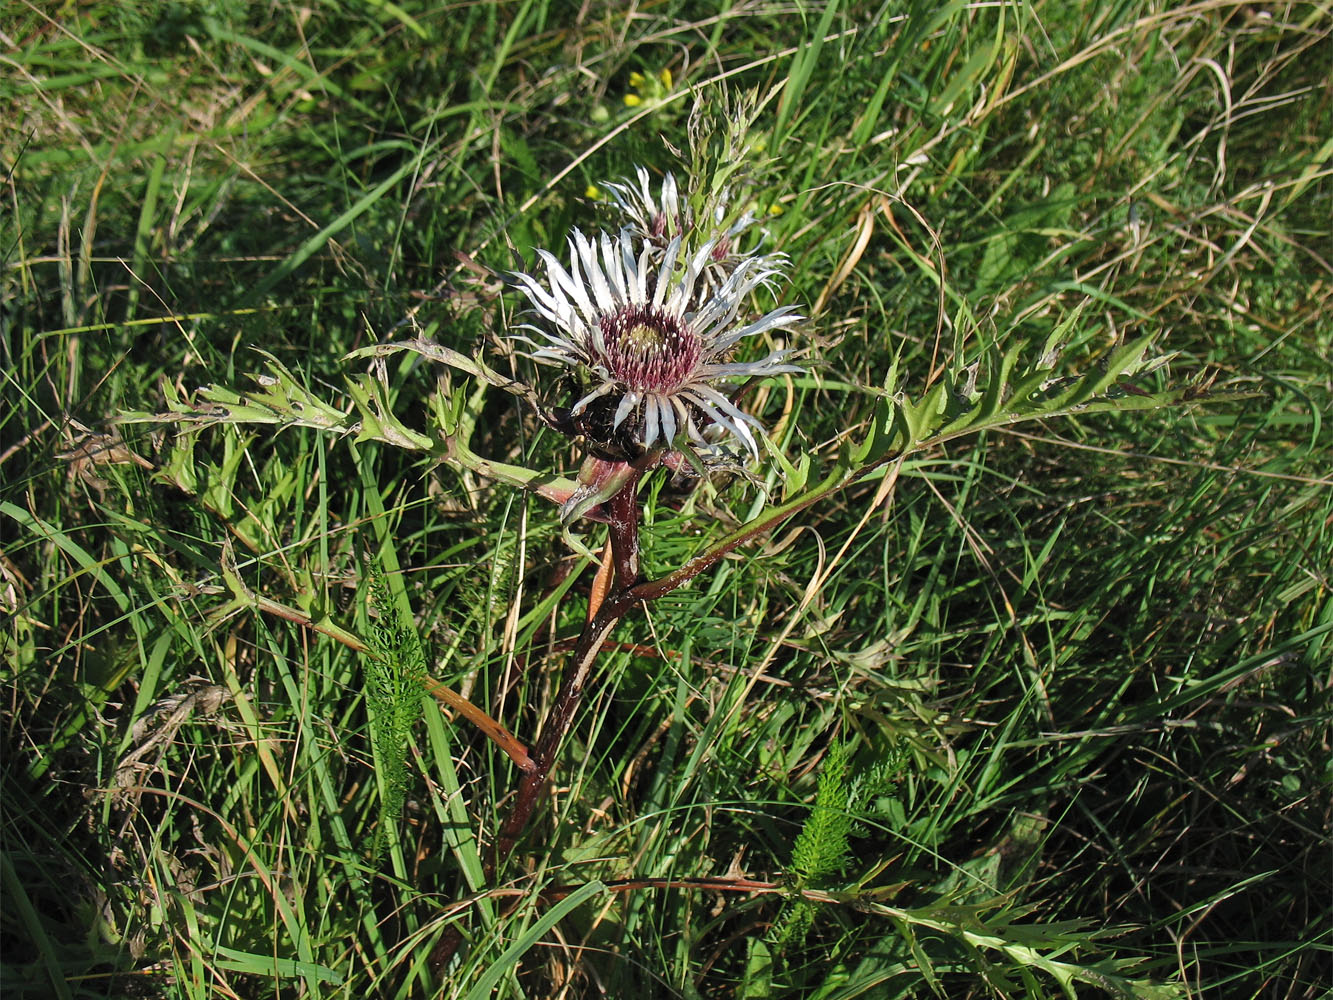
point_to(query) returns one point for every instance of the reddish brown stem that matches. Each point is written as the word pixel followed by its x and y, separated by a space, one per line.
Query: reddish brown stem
pixel 557 724
pixel 651 590
pixel 624 523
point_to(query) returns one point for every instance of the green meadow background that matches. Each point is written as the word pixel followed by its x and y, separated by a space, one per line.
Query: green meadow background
pixel 1046 715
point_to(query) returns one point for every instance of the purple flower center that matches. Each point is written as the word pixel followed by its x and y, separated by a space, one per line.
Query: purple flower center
pixel 648 349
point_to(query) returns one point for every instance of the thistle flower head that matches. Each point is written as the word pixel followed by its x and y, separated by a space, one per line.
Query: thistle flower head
pixel 651 338
pixel 658 219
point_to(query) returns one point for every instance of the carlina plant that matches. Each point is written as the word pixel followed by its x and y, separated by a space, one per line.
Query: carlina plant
pixel 643 327
pixel 649 340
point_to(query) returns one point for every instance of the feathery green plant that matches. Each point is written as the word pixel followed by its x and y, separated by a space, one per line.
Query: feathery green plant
pixel 822 846
pixel 395 665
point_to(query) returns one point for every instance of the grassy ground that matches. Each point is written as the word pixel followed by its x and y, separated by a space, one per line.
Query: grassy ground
pixel 1070 679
